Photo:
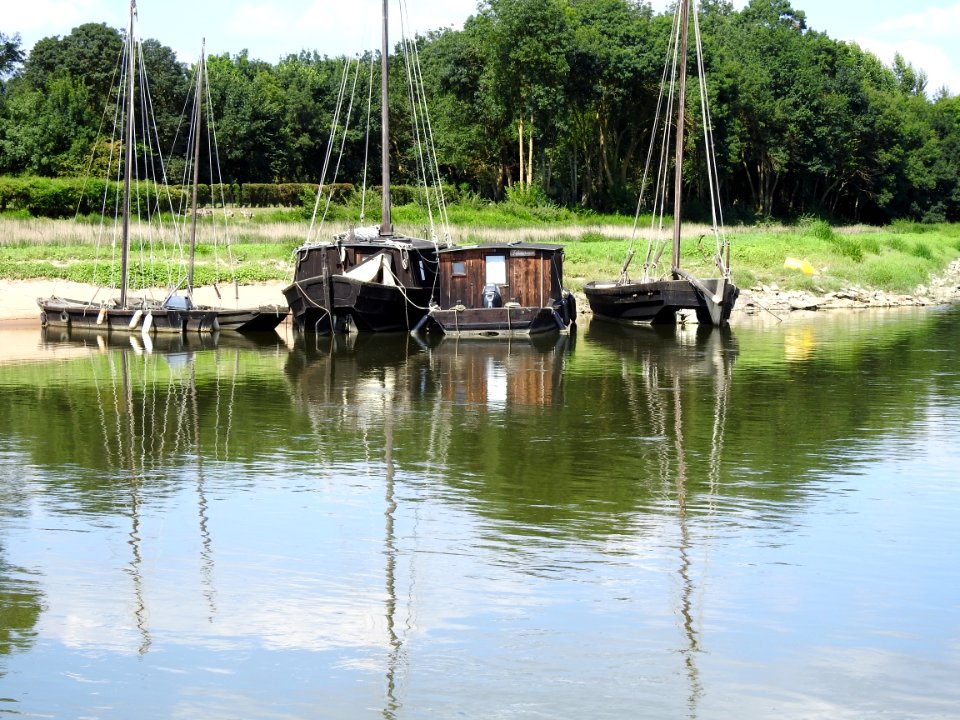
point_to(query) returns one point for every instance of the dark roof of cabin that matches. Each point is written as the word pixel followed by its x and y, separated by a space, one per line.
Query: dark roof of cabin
pixel 546 247
pixel 369 240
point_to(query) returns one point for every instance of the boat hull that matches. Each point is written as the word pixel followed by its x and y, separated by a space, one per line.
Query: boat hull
pixel 248 320
pixel 496 322
pixel 658 301
pixel 59 312
pixel 151 319
pixel 331 303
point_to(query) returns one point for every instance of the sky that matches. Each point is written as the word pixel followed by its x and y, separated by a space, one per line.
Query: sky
pixel 923 31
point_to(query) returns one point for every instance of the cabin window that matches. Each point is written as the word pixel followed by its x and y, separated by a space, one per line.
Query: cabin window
pixel 496 270
pixel 459 268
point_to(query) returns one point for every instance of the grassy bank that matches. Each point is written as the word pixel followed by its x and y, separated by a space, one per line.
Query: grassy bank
pixel 894 259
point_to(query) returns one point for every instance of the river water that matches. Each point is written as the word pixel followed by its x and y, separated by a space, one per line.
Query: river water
pixel 626 523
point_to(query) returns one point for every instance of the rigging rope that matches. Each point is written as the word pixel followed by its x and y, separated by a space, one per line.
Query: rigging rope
pixel 710 148
pixel 334 124
pixel 366 148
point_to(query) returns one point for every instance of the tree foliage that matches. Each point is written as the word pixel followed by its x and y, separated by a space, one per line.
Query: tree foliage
pixel 551 98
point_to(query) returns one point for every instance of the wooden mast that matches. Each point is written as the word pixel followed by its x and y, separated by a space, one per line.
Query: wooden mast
pixel 128 158
pixel 681 107
pixel 197 119
pixel 386 226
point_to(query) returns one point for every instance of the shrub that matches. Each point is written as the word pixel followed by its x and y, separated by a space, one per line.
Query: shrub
pixel 922 250
pixel 847 246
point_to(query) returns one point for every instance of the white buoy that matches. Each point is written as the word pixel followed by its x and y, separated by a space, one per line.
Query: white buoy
pixel 135 320
pixel 102 316
pixel 147 323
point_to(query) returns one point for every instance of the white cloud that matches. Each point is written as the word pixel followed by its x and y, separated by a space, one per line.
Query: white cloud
pixel 247 26
pixel 38 19
pixel 932 22
pixel 939 67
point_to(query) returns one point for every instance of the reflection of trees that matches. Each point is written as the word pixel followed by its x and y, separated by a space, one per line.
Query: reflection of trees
pixel 118 408
pixel 21 598
pixel 121 419
pixel 20 606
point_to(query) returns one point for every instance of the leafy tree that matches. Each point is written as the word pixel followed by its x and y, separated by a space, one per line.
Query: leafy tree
pixel 48 131
pixel 530 42
pixel 471 121
pixel 247 101
pixel 308 86
pixel 551 97
pixel 616 59
pixel 91 52
pixel 11 54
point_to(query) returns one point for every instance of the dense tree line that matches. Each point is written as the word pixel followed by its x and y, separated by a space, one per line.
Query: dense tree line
pixel 546 98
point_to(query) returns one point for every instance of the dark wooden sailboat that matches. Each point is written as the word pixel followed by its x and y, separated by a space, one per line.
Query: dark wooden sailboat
pixel 501 289
pixel 176 313
pixel 125 313
pixel 658 300
pixel 370 279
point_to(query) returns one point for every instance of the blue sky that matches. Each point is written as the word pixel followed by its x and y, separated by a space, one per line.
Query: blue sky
pixel 921 30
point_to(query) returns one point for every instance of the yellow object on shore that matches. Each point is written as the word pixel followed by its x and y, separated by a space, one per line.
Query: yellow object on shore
pixel 803 266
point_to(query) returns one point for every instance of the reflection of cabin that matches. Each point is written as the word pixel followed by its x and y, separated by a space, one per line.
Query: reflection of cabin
pixel 500 379
pixel 527 275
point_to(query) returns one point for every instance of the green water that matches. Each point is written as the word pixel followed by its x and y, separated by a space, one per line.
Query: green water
pixel 620 524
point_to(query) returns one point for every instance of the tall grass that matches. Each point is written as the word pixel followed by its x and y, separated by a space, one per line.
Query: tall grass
pixel 896 258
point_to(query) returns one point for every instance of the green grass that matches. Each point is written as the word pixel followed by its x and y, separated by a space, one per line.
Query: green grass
pixel 895 258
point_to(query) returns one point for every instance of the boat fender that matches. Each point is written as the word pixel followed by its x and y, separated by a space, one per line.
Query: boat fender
pixel 43 318
pixel 420 324
pixel 64 318
pixel 570 307
pixel 135 320
pixel 101 316
pixel 561 325
pixel 147 323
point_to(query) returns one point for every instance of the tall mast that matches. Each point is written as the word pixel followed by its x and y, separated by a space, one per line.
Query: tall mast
pixel 197 119
pixel 128 159
pixel 681 107
pixel 386 227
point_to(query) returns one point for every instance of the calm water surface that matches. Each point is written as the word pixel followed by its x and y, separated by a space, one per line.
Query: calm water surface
pixel 621 524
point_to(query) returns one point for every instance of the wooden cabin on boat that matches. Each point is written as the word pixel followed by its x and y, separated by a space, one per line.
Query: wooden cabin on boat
pixel 501 289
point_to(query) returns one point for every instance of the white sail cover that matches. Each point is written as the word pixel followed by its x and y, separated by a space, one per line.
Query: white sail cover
pixel 374 269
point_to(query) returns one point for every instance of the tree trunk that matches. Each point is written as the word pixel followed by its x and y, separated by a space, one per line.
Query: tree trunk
pixel 753 190
pixel 520 139
pixel 530 156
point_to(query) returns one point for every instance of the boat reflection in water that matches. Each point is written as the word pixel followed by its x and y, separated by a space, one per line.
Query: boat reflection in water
pixel 162 343
pixel 506 373
pixel 125 426
pixel 672 361
pixel 387 406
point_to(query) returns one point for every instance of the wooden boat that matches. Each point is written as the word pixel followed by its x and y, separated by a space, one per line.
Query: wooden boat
pixel 176 313
pixel 500 290
pixel 370 279
pixel 364 280
pixel 658 300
